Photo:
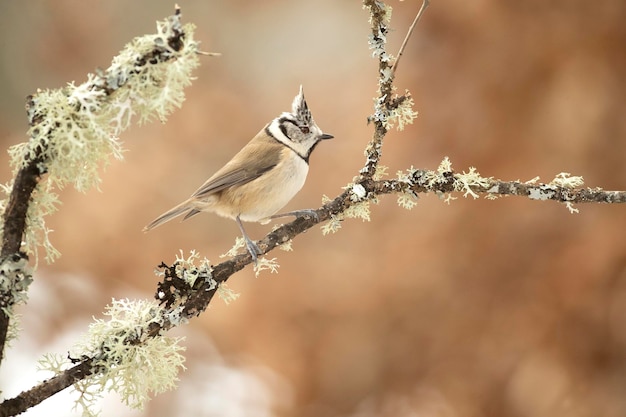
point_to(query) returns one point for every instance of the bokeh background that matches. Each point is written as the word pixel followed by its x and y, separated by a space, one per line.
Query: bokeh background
pixel 479 308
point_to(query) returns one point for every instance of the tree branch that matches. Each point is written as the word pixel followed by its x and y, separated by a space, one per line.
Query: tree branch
pixel 197 298
pixel 418 16
pixel 46 389
pixel 38 154
pixel 14 225
pixel 183 300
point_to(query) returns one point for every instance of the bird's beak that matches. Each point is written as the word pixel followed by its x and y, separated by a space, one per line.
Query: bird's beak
pixel 325 136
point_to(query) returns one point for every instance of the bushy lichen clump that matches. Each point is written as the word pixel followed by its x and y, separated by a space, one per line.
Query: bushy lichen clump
pixel 125 357
pixel 75 129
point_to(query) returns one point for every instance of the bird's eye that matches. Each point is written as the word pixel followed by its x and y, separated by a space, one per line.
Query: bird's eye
pixel 304 129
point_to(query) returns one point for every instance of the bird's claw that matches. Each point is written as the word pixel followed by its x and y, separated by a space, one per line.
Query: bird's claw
pixel 253 250
pixel 299 213
pixel 307 213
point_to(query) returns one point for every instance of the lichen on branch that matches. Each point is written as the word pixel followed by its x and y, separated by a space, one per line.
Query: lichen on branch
pixel 74 130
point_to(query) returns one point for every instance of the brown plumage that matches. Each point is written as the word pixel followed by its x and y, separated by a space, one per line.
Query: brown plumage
pixel 262 177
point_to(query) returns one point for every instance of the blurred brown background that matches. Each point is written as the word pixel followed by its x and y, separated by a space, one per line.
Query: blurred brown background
pixel 480 308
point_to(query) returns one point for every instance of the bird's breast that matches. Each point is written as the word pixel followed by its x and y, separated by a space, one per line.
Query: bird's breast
pixel 269 193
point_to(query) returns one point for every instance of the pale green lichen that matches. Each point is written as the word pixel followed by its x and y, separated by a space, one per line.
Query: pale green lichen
pixel 433 178
pixel 14 330
pixel 128 361
pixel 360 210
pixel 565 179
pixel 466 180
pixel 158 90
pixel 264 264
pixel 444 166
pixel 382 7
pixel 547 191
pixel 334 224
pixel 331 226
pixel 380 173
pixel 226 294
pixel 402 115
pixel 261 264
pixel 447 198
pixel 386 74
pixel 44 202
pixel 287 246
pixel 407 200
pixel 406 176
pixel 15 279
pixel 240 243
pixel 89 396
pixel 51 362
pixel 571 208
pixel 379 17
pixel 387 9
pixel 74 130
pixel 191 267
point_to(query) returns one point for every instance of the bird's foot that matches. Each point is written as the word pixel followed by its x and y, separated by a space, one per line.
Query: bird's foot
pixel 253 249
pixel 310 213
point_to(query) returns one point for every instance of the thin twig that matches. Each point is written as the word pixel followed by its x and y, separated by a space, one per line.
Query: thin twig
pixel 208 53
pixel 421 11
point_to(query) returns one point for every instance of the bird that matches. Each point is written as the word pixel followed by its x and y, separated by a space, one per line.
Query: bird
pixel 261 178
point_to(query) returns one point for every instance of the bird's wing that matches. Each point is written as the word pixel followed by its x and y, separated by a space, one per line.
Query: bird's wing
pixel 259 156
pixel 228 179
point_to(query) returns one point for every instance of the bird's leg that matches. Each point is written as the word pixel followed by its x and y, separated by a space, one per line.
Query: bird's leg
pixel 298 213
pixel 253 249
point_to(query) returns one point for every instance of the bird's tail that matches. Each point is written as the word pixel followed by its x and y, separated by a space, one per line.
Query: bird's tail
pixel 169 215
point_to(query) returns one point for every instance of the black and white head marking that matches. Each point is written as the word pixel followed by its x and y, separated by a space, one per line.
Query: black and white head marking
pixel 300 110
pixel 297 130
